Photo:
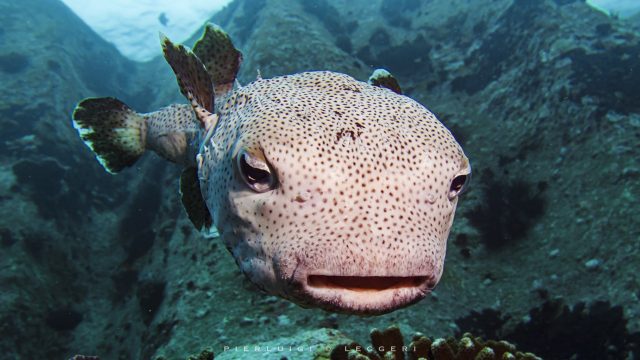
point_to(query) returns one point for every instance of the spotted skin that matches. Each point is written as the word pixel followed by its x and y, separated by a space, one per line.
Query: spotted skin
pixel 363 190
pixel 327 191
pixel 220 57
pixel 174 132
pixel 119 136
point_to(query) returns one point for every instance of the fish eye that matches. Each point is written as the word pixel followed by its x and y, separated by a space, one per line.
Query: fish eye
pixel 255 172
pixel 459 185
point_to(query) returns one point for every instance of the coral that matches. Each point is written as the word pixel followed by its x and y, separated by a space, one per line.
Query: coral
pixel 557 331
pixel 507 211
pixel 487 323
pixel 204 355
pixel 389 345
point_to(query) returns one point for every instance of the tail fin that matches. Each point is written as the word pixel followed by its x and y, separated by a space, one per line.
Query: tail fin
pixel 115 133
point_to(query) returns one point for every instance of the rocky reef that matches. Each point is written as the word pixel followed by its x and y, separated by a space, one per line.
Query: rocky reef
pixel 543 95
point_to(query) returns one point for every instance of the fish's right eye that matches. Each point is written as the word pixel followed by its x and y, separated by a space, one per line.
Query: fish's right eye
pixel 459 185
pixel 255 172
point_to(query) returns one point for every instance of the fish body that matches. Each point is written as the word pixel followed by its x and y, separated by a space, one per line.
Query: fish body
pixel 327 191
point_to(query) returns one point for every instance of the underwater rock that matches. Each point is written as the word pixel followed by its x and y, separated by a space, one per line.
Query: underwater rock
pixel 150 297
pixel 63 319
pixel 507 210
pixel 13 63
pixel 6 238
pixel 502 74
pixel 555 330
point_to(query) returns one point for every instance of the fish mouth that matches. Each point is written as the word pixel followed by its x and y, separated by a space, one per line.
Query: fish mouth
pixel 364 283
pixel 365 295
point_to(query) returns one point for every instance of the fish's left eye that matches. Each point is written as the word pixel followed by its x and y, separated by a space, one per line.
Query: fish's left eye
pixel 459 185
pixel 255 172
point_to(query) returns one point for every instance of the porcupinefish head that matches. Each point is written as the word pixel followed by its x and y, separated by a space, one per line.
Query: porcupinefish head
pixel 327 191
pixel 332 192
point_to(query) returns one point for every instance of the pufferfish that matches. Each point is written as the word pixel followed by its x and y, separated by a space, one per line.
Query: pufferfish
pixel 329 192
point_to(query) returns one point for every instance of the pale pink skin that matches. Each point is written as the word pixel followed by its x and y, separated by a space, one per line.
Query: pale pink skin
pixel 362 189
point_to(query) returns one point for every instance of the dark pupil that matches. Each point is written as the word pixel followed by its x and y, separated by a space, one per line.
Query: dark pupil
pixel 252 174
pixel 458 183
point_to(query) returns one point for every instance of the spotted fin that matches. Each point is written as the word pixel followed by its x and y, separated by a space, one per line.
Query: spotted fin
pixel 115 133
pixel 221 59
pixel 193 79
pixel 192 200
pixel 384 79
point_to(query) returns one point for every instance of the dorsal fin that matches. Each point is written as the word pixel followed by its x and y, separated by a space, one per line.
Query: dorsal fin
pixel 221 59
pixel 193 79
pixel 384 79
pixel 192 200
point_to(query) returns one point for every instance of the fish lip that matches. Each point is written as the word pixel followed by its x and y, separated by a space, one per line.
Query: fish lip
pixel 362 294
pixel 364 283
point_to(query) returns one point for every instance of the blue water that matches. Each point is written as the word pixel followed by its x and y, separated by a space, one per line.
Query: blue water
pixel 543 96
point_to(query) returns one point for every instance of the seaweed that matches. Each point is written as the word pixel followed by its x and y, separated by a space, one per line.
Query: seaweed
pixel 507 211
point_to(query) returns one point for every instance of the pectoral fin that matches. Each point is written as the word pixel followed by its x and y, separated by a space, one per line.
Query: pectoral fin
pixel 192 199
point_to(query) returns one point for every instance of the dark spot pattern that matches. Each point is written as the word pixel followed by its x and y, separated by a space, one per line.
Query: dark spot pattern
pixel 219 56
pixel 112 130
pixel 372 201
